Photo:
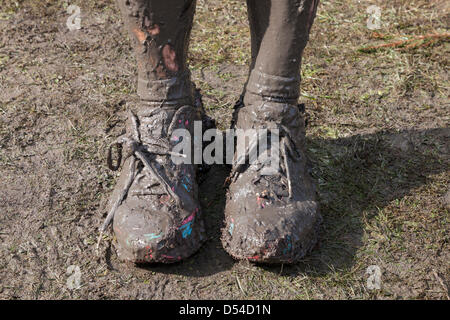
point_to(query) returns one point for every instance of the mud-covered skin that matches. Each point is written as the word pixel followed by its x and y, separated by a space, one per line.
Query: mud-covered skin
pixel 262 222
pixel 160 32
pixel 279 33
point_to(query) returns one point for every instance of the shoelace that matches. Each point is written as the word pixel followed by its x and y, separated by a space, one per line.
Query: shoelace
pixel 287 147
pixel 135 148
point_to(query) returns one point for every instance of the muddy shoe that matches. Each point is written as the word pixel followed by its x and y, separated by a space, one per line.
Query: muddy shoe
pixel 271 214
pixel 154 207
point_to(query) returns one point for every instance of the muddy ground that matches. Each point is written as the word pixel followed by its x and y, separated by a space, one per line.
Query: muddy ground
pixel 378 139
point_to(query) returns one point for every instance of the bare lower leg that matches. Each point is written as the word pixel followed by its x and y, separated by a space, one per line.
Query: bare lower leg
pixel 280 30
pixel 258 17
pixel 160 32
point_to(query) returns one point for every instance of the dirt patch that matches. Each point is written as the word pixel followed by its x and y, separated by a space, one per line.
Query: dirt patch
pixel 378 139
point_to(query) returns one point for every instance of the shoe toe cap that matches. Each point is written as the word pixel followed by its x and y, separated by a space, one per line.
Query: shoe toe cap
pixel 273 234
pixel 144 235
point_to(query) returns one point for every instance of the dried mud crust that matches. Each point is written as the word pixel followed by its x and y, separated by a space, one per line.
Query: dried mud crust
pixel 273 252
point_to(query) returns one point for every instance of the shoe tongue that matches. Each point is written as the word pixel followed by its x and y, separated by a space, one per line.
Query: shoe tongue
pixel 146 109
pixel 162 121
pixel 268 114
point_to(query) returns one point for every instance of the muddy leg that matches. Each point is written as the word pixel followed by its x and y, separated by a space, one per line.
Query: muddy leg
pixel 258 18
pixel 160 32
pixel 271 214
pixel 280 30
pixel 154 207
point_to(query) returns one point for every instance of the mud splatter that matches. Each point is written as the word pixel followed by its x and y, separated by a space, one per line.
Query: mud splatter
pixel 169 55
pixel 154 30
pixel 140 35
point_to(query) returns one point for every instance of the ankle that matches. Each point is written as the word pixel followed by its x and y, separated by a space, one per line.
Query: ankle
pixel 176 91
pixel 265 87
